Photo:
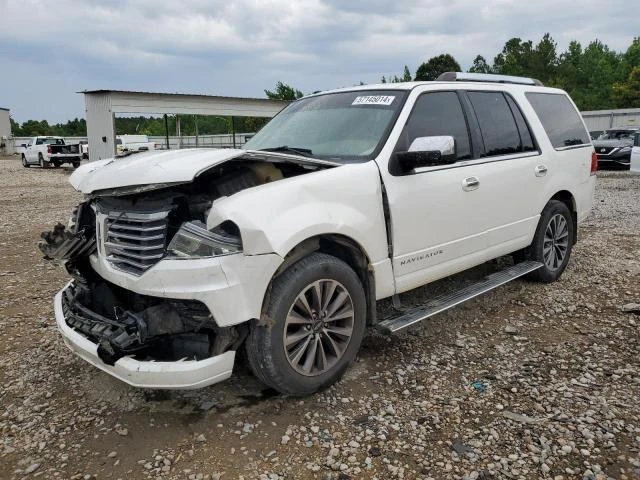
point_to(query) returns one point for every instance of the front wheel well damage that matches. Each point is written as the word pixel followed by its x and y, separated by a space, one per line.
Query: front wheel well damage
pixel 344 248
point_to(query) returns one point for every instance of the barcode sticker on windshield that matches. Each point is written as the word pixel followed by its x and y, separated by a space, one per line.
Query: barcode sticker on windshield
pixel 374 100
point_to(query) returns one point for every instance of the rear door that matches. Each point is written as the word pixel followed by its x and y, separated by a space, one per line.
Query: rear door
pixel 448 218
pixel 31 151
pixel 514 172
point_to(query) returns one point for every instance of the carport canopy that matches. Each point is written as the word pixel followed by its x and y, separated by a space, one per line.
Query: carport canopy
pixel 101 106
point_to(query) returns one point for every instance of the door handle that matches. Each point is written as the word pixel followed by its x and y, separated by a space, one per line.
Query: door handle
pixel 470 183
pixel 541 170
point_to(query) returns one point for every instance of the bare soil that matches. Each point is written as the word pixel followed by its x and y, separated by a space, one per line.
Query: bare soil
pixel 555 395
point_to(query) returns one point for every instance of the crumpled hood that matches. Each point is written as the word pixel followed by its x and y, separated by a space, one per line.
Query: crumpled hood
pixel 170 166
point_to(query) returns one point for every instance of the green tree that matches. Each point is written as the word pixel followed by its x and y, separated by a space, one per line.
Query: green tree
pixel 515 58
pixel 16 130
pixel 284 92
pixel 480 65
pixel 630 59
pixel 435 66
pixel 543 64
pixel 627 94
pixel 405 77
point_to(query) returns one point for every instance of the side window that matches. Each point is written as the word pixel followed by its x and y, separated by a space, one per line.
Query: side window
pixel 497 123
pixel 439 113
pixel 39 141
pixel 526 138
pixel 559 118
pixel 636 141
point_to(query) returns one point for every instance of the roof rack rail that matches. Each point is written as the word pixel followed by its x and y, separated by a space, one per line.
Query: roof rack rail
pixel 486 77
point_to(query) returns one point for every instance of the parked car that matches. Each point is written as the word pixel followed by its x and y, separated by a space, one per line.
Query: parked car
pixel 50 151
pixel 614 146
pixel 133 143
pixel 635 153
pixel 182 258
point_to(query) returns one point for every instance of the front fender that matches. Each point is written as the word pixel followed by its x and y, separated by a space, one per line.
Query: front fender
pixel 275 217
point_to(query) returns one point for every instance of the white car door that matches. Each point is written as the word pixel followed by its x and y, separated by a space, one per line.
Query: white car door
pixel 635 154
pixel 29 151
pixel 447 218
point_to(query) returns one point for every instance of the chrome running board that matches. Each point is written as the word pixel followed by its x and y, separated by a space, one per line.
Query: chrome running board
pixel 451 299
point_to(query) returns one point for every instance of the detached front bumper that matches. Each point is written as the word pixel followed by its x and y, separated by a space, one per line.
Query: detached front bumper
pixel 184 374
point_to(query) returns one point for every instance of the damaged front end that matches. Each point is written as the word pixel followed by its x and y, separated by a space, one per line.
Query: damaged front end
pixel 74 241
pixel 123 323
pixel 115 240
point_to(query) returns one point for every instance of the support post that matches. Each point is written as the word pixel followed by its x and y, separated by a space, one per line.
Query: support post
pixel 195 120
pixel 178 132
pixel 233 130
pixel 166 130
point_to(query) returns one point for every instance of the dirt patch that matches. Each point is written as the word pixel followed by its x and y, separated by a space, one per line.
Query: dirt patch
pixel 428 403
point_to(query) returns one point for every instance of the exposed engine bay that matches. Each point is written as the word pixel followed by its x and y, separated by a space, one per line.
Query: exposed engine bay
pixel 133 228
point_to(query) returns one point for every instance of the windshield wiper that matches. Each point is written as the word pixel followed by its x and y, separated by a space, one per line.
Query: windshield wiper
pixel 305 152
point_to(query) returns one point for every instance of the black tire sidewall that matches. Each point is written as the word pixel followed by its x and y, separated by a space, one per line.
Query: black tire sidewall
pixel 536 249
pixel 24 161
pixel 279 373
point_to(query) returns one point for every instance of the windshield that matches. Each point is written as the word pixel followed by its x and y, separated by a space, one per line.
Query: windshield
pixel 347 126
pixel 616 135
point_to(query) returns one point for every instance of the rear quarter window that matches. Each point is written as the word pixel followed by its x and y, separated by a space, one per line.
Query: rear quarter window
pixel 559 118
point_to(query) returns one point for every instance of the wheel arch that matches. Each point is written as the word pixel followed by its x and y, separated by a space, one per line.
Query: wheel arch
pixel 347 250
pixel 569 200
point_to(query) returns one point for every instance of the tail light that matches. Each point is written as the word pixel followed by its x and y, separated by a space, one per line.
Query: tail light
pixel 49 149
pixel 594 163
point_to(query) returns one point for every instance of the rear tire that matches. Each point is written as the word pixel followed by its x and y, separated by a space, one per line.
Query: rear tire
pixel 56 164
pixel 311 328
pixel 552 243
pixel 41 162
pixel 76 164
pixel 25 164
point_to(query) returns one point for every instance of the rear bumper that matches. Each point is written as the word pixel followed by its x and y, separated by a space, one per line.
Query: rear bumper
pixel 186 374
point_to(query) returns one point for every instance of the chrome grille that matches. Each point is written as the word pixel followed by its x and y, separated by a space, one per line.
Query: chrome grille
pixel 134 241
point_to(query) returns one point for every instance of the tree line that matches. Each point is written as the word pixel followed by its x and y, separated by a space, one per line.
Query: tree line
pixel 595 76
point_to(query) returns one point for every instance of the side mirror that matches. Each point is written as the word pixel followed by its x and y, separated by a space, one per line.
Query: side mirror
pixel 24 145
pixel 428 152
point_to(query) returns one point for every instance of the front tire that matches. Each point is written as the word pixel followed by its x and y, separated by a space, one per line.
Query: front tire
pixel 552 242
pixel 311 328
pixel 25 164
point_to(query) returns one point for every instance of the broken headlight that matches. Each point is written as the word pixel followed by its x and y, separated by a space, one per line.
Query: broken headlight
pixel 193 240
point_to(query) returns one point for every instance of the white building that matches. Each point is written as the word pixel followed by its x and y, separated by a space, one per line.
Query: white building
pixel 6 144
pixel 605 119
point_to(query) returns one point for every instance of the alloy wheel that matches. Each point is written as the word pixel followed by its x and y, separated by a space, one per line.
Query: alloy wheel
pixel 318 327
pixel 556 242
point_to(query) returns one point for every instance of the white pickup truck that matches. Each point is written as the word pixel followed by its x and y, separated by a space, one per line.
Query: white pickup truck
pixel 50 151
pixel 133 143
pixel 181 258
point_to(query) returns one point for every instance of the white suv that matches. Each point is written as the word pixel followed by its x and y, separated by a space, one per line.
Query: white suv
pixel 182 258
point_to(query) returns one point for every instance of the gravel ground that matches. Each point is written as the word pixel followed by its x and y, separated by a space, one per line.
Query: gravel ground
pixel 529 381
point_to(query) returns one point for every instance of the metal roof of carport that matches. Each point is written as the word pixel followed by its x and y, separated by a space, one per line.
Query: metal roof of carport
pixel 125 101
pixel 102 105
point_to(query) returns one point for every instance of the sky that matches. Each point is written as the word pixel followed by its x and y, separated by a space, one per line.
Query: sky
pixel 51 49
